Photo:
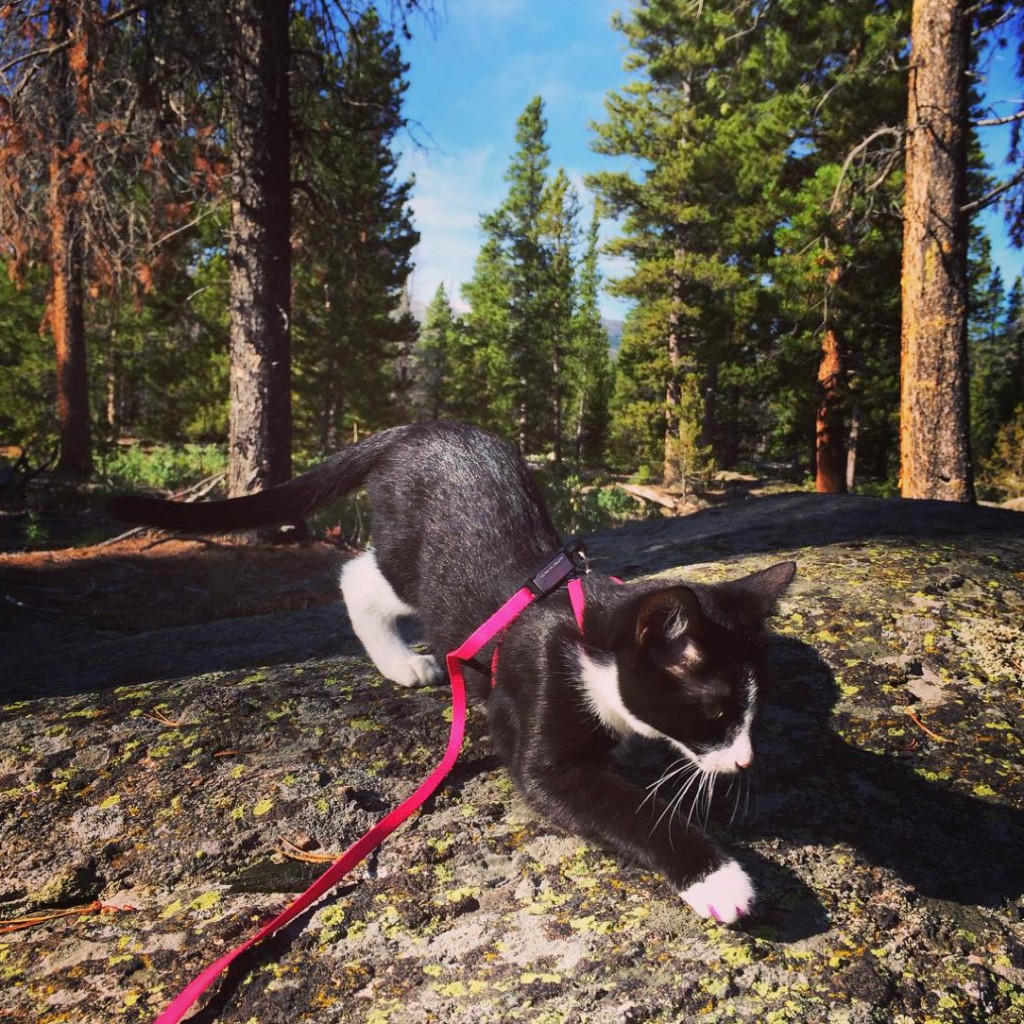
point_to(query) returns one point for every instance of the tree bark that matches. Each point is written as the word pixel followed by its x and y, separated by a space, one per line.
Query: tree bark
pixel 673 387
pixel 67 251
pixel 851 448
pixel 935 458
pixel 829 437
pixel 259 251
pixel 830 446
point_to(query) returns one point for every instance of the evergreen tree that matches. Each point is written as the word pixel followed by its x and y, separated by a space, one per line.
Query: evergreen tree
pixel 444 385
pixel 533 327
pixel 693 215
pixel 590 370
pixel 354 241
pixel 636 430
pixel 558 233
pixel 28 395
pixel 996 348
pixel 487 354
pixel 743 124
pixel 518 229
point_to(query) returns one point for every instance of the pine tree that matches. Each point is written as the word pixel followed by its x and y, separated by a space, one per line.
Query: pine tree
pixel 487 354
pixel 440 367
pixel 354 239
pixel 747 127
pixel 518 229
pixel 589 365
pixel 558 233
pixel 704 151
pixel 511 295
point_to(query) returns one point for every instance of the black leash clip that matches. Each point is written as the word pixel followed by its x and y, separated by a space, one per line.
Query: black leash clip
pixel 570 561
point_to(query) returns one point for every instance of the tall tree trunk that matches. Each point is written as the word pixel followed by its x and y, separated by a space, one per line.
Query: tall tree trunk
pixel 830 445
pixel 935 459
pixel 259 252
pixel 673 386
pixel 557 402
pixel 709 427
pixel 851 448
pixel 67 249
pixel 829 439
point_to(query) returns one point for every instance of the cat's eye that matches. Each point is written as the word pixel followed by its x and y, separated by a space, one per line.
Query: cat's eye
pixel 713 712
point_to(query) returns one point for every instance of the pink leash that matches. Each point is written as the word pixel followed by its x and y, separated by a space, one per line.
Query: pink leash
pixel 563 566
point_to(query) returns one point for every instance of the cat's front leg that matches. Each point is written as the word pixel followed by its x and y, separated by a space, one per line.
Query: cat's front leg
pixel 595 802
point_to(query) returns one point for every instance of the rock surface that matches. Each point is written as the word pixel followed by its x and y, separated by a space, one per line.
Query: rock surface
pixel 887 840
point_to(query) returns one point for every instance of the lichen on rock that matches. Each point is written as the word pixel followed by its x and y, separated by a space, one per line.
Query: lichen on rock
pixel 884 835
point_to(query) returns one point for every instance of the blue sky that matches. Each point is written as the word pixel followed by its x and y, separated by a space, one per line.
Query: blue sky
pixel 471 78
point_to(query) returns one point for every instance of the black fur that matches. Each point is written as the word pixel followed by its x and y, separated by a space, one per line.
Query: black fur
pixel 458 525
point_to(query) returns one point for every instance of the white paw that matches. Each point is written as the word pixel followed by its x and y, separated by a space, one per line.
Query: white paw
pixel 418 670
pixel 725 895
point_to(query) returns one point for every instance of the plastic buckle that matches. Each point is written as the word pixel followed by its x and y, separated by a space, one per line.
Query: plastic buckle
pixel 570 561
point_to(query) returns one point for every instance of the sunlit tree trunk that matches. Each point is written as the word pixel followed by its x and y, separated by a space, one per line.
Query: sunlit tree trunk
pixel 673 388
pixel 66 311
pixel 829 430
pixel 935 459
pixel 260 246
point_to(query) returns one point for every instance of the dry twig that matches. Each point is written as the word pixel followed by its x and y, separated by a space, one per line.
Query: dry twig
pixel 924 728
pixel 17 924
pixel 289 849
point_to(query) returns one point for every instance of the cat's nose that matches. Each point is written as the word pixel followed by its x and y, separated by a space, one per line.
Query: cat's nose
pixel 742 766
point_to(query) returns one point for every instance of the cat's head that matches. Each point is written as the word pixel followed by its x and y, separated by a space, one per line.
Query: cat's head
pixel 686 666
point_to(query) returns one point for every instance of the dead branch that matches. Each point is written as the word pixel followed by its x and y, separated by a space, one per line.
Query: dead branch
pixel 649 494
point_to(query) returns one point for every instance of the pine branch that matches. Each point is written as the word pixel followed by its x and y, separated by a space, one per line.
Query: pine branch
pixel 989 197
pixel 853 154
pixel 991 122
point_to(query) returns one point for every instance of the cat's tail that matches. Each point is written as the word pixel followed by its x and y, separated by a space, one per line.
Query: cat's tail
pixel 287 503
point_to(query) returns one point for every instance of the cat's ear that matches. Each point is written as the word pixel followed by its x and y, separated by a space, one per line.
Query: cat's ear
pixel 667 615
pixel 756 594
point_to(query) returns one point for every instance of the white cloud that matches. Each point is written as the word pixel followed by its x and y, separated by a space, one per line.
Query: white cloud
pixel 452 191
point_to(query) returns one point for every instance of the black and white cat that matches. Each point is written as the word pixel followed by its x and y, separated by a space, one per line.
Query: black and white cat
pixel 458 524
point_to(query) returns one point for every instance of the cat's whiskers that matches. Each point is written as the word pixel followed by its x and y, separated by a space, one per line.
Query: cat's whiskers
pixel 677 767
pixel 702 798
pixel 672 807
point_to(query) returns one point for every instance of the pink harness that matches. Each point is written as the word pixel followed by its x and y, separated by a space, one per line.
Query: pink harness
pixel 565 566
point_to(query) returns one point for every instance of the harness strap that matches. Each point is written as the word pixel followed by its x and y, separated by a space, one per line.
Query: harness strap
pixel 575 588
pixel 539 585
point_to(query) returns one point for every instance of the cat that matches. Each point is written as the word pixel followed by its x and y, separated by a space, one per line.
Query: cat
pixel 458 524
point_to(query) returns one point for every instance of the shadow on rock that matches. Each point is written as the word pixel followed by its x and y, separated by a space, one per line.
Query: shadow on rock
pixel 820 789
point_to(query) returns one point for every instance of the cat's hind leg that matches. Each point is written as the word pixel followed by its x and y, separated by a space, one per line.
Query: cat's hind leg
pixel 374 609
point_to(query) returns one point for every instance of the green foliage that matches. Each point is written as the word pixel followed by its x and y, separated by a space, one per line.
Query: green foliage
pixel 748 228
pixel 533 334
pixel 161 467
pixel 636 437
pixel 352 331
pixel 591 376
pixel 996 345
pixel 34 531
pixel 580 505
pixel 160 370
pixel 28 385
pixel 1002 476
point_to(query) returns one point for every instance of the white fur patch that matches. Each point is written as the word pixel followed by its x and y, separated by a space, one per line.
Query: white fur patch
pixel 374 609
pixel 725 895
pixel 600 681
